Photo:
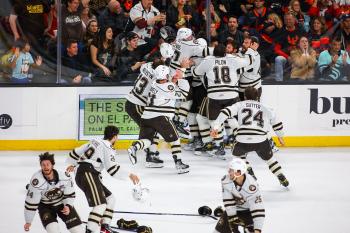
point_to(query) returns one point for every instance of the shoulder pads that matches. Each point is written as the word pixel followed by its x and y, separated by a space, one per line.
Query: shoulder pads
pixel 37 179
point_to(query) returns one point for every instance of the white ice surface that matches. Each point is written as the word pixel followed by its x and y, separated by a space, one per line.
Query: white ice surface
pixel 318 200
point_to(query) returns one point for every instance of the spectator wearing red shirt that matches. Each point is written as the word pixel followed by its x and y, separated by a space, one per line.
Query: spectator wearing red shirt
pixel 286 41
pixel 326 8
pixel 255 19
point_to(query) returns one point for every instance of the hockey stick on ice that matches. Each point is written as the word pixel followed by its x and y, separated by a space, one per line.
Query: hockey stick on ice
pixel 172 214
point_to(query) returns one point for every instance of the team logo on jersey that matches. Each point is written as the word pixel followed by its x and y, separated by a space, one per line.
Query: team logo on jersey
pixel 46 216
pixel 35 182
pixel 252 188
pixel 53 194
pixel 171 87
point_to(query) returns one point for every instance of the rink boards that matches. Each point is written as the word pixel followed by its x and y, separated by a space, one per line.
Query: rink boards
pixel 54 118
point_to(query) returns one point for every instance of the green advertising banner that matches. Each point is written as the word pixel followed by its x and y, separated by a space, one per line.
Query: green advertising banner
pixel 97 113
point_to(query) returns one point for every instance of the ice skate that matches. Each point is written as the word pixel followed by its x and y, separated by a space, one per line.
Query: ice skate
pixel 153 161
pixel 181 167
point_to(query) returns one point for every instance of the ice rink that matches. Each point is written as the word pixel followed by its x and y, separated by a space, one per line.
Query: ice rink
pixel 318 200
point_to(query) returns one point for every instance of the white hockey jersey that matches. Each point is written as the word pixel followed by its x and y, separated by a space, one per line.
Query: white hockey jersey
pixel 221 73
pixel 162 98
pixel 186 49
pixel 138 12
pixel 245 197
pixel 57 192
pixel 139 93
pixel 254 121
pixel 250 75
pixel 99 153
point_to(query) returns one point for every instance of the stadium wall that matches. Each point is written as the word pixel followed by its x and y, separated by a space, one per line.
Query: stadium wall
pixel 38 118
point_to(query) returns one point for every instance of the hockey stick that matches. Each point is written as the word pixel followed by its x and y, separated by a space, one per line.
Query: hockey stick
pixel 172 214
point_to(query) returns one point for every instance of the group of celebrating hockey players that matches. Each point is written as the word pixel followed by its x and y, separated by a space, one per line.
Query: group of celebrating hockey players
pixel 216 93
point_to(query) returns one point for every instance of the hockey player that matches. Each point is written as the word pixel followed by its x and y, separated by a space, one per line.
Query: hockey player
pixel 137 100
pixel 158 114
pixel 90 159
pixel 250 75
pixel 242 201
pixel 186 46
pixel 51 193
pixel 254 120
pixel 197 94
pixel 221 74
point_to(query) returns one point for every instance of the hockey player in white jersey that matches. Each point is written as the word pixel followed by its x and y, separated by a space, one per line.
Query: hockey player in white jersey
pixel 186 46
pixel 51 193
pixel 254 121
pixel 90 160
pixel 197 94
pixel 242 199
pixel 221 74
pixel 158 114
pixel 250 75
pixel 138 96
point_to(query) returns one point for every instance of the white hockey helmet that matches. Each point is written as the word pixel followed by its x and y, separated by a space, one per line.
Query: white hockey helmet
pixel 202 42
pixel 238 164
pixel 162 72
pixel 166 50
pixel 140 193
pixel 183 33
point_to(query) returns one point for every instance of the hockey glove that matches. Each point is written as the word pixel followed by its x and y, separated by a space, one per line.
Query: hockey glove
pixel 127 225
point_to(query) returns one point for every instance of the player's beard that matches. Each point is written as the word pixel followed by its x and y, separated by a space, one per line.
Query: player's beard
pixel 48 172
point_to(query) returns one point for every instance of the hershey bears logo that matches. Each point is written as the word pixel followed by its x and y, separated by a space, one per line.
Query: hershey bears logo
pixel 53 194
pixel 171 87
pixel 252 188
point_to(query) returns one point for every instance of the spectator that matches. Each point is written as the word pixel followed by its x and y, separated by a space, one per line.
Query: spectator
pixel 303 61
pixel 21 61
pixel 91 34
pixel 180 14
pixel 97 6
pixel 86 16
pixel 344 32
pixel 319 40
pixel 215 18
pixel 246 7
pixel 302 19
pixel 51 22
pixel 30 17
pixel 74 66
pixel 334 64
pixel 228 8
pixel 286 41
pixel 129 60
pixel 146 19
pixel 272 27
pixel 113 16
pixel 102 51
pixel 72 27
pixel 232 31
pixel 255 19
pixel 328 9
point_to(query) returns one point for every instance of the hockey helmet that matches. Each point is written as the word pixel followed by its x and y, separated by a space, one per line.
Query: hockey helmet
pixel 238 164
pixel 167 33
pixel 202 42
pixel 166 50
pixel 162 72
pixel 140 193
pixel 183 33
pixel 204 210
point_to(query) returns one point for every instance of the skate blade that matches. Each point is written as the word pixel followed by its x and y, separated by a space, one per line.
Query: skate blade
pixel 152 165
pixel 183 171
pixel 221 157
pixel 132 158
